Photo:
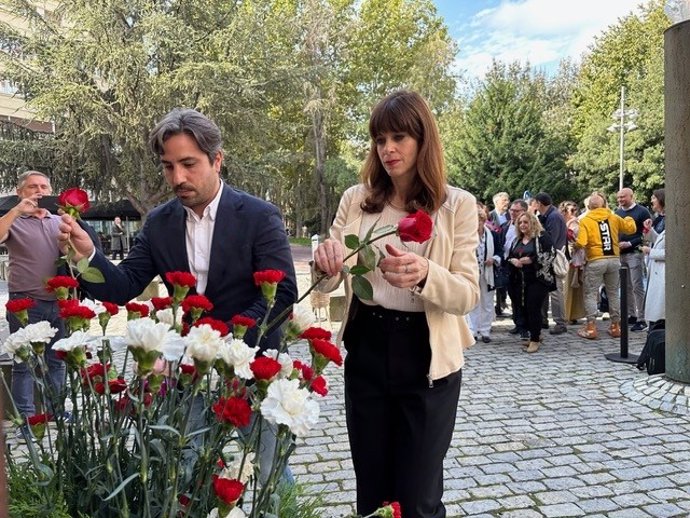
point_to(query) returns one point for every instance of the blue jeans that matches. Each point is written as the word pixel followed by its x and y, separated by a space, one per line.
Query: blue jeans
pixel 22 380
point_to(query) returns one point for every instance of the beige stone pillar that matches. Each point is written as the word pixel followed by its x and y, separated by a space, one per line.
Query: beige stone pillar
pixel 677 165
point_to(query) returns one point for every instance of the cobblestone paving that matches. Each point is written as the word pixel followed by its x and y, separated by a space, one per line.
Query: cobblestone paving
pixel 551 434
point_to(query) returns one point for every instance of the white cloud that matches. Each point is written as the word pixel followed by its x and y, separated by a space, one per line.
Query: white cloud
pixel 540 32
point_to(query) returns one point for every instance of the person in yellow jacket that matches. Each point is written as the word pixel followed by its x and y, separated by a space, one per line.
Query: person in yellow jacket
pixel 598 235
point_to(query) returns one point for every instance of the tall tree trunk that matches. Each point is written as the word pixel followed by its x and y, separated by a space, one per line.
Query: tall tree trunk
pixel 320 169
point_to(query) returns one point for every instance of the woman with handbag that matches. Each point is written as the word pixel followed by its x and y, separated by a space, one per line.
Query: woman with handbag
pixel 531 273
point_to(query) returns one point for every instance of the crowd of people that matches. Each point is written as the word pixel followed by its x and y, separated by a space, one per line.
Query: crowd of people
pixel 595 240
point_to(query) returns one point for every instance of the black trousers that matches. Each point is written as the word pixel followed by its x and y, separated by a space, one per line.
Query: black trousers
pixel 399 426
pixel 529 296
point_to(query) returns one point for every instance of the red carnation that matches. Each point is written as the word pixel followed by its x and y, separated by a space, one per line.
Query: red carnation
pixel 76 311
pixel 241 320
pixel 188 368
pixel 228 490
pixel 268 276
pixel 17 305
pixel 67 303
pixel 135 307
pixel 61 281
pixel 265 368
pixel 161 302
pixel 198 302
pixel 318 333
pixel 111 308
pixel 306 370
pixel 218 325
pixel 415 227
pixel 117 385
pixel 319 386
pixel 391 510
pixel 74 201
pixel 38 419
pixel 327 350
pixel 94 371
pixel 185 279
pixel 233 410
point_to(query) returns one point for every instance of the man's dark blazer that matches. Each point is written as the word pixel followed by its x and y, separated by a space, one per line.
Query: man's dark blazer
pixel 249 236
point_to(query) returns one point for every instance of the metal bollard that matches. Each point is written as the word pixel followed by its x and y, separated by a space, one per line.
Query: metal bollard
pixel 623 356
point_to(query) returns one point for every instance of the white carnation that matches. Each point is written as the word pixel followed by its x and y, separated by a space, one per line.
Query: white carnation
pixel 39 332
pixel 290 405
pixel 14 343
pixel 238 355
pixel 166 317
pixel 76 339
pixel 144 333
pixel 203 343
pixel 302 319
pixel 236 512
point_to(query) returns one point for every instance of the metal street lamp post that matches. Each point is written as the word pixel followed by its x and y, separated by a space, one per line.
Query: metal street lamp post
pixel 622 126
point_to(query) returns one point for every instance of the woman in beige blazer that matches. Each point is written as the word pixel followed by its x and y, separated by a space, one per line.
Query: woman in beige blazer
pixel 404 361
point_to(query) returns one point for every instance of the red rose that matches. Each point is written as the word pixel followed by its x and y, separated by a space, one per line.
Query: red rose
pixel 181 279
pixel 111 308
pixel 16 305
pixel 135 307
pixel 233 410
pixel 38 419
pixel 241 320
pixel 218 325
pixel 319 386
pixel 415 227
pixel 327 350
pixel 161 302
pixel 61 281
pixel 75 199
pixel 228 490
pixel 268 277
pixel 265 368
pixel 316 333
pixel 198 302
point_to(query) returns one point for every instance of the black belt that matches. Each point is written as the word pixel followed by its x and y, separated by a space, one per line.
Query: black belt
pixel 389 316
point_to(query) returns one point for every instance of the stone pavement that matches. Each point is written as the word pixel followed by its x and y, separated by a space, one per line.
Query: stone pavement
pixel 563 432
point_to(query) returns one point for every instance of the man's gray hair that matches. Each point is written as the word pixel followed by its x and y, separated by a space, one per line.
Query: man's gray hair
pixel 499 195
pixel 21 179
pixel 189 122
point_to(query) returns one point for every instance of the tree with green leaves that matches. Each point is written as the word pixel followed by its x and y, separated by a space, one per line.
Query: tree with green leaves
pixel 628 54
pixel 509 139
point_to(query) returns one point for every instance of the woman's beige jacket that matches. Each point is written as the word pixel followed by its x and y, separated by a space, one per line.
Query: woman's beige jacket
pixel 451 289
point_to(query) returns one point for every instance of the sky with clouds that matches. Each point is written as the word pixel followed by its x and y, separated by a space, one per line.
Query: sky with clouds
pixel 539 31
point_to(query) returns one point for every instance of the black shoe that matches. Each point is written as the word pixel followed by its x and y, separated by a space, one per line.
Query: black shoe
pixel 486 339
pixel 632 320
pixel 515 330
pixel 545 325
pixel 638 326
pixel 558 329
pixel 524 334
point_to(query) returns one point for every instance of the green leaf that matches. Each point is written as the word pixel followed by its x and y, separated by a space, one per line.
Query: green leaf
pixel 352 241
pixel 368 257
pixel 121 486
pixel 164 427
pixel 93 275
pixel 82 265
pixel 362 288
pixel 359 269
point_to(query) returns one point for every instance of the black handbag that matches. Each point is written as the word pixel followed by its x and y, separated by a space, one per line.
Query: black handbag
pixel 501 276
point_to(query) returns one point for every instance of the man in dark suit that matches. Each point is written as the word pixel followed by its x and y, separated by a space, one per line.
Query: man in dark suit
pixel 219 234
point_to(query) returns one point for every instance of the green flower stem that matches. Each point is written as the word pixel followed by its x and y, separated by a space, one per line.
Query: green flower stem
pixel 143 448
pixel 323 276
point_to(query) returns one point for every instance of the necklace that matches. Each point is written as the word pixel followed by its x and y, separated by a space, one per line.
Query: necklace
pixel 390 202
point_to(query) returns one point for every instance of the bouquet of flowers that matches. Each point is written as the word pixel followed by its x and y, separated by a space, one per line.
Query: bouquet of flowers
pixel 174 427
pixel 169 420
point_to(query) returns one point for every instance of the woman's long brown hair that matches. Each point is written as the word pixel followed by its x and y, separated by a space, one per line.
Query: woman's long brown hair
pixel 406 112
